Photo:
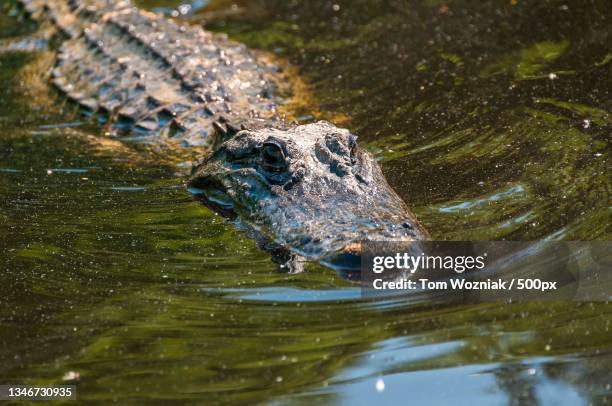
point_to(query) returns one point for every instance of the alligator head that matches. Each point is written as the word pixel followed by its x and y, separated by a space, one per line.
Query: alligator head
pixel 309 189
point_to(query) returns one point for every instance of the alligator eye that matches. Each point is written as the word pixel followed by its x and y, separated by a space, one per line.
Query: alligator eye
pixel 273 157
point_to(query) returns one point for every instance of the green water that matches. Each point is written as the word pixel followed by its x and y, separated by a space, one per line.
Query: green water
pixel 492 119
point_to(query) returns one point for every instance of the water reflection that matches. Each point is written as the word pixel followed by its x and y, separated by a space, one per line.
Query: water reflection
pixel 478 113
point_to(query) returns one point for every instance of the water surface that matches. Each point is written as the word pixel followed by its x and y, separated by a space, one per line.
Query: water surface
pixel 491 118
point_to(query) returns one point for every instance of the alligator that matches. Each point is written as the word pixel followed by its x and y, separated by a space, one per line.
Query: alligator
pixel 307 191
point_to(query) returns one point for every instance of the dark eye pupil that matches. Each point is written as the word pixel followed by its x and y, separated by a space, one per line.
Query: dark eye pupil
pixel 273 155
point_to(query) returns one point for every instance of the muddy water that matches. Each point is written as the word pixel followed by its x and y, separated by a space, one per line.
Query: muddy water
pixel 491 118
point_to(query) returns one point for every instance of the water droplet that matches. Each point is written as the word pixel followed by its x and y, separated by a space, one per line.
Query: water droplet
pixel 586 123
pixel 532 371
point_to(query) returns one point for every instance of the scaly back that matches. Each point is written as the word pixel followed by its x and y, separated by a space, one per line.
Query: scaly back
pixel 144 74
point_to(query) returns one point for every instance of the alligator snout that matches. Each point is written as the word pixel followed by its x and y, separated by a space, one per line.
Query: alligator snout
pixel 309 188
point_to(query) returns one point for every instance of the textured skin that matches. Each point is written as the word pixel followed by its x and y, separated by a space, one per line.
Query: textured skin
pixel 148 75
pixel 307 188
